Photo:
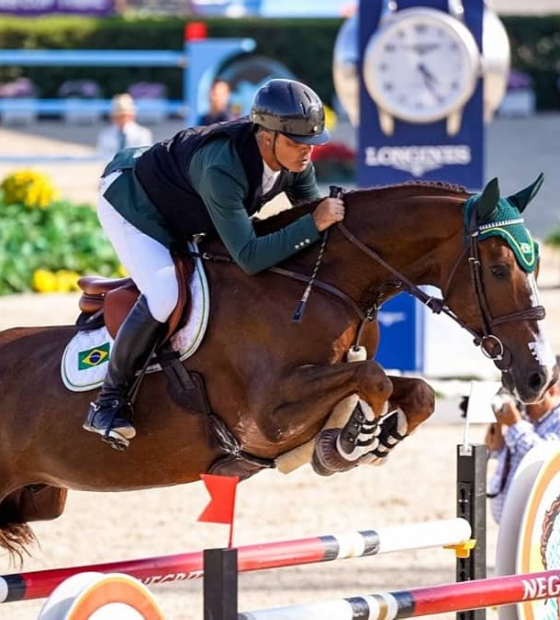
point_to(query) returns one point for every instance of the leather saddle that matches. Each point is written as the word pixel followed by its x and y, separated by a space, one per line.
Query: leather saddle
pixel 111 299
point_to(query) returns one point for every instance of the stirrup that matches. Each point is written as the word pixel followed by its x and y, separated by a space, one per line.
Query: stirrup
pixel 109 432
pixel 110 436
pixel 115 440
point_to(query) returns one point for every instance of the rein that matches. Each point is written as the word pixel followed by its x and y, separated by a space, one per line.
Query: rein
pixel 490 344
pixel 294 275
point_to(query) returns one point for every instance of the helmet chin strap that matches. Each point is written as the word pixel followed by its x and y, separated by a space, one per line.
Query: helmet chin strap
pixel 273 146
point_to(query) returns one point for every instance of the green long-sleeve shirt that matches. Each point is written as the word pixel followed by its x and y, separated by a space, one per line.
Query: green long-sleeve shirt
pixel 216 173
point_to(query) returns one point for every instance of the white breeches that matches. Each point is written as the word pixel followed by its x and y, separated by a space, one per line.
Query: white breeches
pixel 147 261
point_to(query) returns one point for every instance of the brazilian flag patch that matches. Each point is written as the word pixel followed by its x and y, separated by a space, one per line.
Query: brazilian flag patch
pixel 94 357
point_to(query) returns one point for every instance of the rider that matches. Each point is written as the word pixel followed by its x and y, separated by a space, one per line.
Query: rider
pixel 204 180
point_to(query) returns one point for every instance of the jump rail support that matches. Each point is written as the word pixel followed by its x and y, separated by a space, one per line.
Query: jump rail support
pixel 471 505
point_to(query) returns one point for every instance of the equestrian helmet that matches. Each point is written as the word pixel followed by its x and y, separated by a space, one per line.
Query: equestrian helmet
pixel 292 109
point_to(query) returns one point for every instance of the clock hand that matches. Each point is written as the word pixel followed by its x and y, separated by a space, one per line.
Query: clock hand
pixel 428 75
pixel 430 81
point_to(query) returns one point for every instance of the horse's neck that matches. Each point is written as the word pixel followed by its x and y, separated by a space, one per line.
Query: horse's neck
pixel 420 236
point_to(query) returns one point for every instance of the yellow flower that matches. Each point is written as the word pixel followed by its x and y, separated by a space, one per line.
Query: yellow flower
pixel 44 281
pixel 66 281
pixel 29 188
pixel 122 272
pixel 331 119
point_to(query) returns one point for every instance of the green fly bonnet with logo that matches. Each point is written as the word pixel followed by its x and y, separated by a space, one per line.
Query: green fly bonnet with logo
pixel 501 217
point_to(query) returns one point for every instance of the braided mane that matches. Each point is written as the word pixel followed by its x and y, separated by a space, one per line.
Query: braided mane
pixel 382 193
pixel 441 186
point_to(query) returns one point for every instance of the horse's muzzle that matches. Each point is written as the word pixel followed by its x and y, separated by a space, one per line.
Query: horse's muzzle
pixel 530 387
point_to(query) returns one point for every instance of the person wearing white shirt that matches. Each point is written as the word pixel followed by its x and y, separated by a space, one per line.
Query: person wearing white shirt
pixel 124 131
pixel 513 435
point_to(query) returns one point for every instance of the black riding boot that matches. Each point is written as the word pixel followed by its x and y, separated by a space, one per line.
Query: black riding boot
pixel 135 340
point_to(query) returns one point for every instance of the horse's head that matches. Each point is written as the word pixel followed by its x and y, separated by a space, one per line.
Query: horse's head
pixel 504 311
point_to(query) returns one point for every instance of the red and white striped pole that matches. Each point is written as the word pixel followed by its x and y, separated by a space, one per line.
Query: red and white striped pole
pixel 424 601
pixel 186 566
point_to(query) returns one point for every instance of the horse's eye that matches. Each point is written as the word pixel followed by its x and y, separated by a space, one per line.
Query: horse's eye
pixel 499 271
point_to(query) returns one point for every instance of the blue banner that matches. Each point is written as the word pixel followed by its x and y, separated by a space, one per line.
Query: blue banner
pixel 228 8
pixel 401 329
pixel 32 8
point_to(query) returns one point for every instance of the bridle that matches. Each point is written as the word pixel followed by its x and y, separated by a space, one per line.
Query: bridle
pixel 490 344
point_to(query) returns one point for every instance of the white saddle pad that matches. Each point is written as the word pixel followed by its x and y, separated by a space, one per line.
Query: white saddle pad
pixel 84 361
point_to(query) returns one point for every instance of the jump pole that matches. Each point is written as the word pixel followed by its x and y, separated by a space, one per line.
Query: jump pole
pixel 424 601
pixel 186 566
pixel 221 585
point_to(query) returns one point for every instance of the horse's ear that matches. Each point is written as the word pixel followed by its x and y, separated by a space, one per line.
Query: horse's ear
pixel 524 197
pixel 487 204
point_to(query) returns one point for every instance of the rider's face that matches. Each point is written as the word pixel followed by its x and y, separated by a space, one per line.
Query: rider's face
pixel 293 155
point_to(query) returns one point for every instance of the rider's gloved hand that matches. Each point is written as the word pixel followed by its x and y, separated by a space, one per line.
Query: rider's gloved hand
pixel 328 212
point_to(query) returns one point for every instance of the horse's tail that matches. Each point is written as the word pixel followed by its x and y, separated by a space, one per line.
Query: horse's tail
pixel 15 533
pixel 15 538
pixel 36 502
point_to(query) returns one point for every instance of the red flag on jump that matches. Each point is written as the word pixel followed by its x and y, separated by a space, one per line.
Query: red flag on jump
pixel 221 508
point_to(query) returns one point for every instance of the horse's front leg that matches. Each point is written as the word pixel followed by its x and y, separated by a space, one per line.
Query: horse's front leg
pixel 309 394
pixel 411 403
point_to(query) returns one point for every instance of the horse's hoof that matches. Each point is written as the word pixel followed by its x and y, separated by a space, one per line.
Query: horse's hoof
pixel 319 468
pixel 394 426
pixel 327 460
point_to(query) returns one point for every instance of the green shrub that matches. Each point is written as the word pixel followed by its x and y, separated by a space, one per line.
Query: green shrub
pixel 535 47
pixel 59 239
pixel 307 50
pixel 554 237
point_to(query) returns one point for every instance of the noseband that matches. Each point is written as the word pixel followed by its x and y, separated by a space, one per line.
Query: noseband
pixel 490 344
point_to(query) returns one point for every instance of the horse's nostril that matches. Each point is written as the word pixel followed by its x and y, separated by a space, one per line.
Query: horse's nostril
pixel 537 380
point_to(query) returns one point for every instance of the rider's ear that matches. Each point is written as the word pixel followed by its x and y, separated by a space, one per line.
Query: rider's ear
pixel 522 198
pixel 487 204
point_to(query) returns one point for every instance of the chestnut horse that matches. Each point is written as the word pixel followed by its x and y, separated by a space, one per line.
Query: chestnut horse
pixel 272 381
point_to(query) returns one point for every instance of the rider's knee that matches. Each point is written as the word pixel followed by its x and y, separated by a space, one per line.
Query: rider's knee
pixel 162 294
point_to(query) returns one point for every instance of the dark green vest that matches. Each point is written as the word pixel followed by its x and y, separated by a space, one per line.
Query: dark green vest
pixel 162 172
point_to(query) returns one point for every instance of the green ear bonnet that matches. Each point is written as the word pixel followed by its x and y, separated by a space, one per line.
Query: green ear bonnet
pixel 506 221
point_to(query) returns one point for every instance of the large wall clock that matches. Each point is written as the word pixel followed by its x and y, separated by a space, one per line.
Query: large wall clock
pixel 421 66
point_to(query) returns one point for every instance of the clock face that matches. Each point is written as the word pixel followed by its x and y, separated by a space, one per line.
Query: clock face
pixel 421 66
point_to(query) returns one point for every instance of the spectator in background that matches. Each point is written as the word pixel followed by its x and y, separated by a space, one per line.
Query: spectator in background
pixel 513 434
pixel 218 99
pixel 124 131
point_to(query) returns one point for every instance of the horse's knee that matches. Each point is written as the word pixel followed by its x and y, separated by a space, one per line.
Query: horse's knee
pixel 423 397
pixel 416 399
pixel 374 386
